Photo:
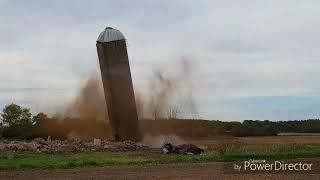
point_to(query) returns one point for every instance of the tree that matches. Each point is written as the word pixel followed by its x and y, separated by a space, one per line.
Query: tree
pixel 156 112
pixel 17 122
pixel 39 118
pixel 172 112
pixel 14 115
pixel 39 122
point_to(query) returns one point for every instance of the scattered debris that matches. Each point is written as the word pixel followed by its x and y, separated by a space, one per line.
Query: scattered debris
pixel 97 142
pixel 131 146
pixel 106 146
pixel 40 141
pixel 49 139
pixel 70 146
pixel 97 145
pixel 169 148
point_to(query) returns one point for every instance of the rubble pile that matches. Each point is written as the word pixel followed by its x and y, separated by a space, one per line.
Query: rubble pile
pixel 131 146
pixel 70 146
pixel 97 145
pixel 169 148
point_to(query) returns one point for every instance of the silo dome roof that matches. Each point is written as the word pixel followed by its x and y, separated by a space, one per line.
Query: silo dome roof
pixel 110 34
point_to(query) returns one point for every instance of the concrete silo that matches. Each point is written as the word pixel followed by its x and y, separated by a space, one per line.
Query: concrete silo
pixel 117 83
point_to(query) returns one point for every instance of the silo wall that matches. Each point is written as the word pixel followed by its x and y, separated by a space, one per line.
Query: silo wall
pixel 118 89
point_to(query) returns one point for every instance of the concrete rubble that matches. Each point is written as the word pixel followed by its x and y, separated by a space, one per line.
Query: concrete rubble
pixel 190 149
pixel 70 146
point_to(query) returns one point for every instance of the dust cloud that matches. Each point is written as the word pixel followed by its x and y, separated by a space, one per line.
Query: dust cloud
pixel 90 102
pixel 169 97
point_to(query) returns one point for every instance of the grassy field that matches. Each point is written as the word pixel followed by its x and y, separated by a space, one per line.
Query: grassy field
pixel 27 161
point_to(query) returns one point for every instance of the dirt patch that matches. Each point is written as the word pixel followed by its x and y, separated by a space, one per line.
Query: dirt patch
pixel 258 142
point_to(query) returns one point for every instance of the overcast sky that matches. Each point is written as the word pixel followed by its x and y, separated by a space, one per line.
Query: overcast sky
pixel 251 59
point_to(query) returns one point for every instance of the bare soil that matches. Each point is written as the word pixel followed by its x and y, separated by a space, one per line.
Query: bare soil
pixel 256 142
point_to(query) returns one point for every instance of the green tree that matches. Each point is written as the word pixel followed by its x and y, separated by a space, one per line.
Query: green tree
pixel 17 122
pixel 15 115
pixel 39 118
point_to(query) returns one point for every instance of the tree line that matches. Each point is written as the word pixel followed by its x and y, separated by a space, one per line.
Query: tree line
pixel 269 128
pixel 17 122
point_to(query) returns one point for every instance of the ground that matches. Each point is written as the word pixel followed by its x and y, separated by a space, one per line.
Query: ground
pixel 176 171
pixel 208 170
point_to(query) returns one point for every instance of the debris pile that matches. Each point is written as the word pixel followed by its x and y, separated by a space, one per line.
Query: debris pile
pixel 70 146
pixel 169 148
pixel 131 146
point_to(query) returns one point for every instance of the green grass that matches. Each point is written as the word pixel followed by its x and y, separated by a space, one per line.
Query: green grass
pixel 27 161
